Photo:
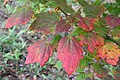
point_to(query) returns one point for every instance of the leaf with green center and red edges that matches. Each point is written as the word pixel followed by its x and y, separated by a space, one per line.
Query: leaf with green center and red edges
pixel 92 40
pixel 21 16
pixel 45 22
pixel 86 23
pixel 62 26
pixel 39 52
pixel 109 52
pixel 69 53
pixel 113 21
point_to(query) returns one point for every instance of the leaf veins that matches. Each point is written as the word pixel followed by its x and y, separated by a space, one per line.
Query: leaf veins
pixel 92 40
pixel 113 21
pixel 21 16
pixel 39 52
pixel 45 22
pixel 62 26
pixel 86 23
pixel 69 53
pixel 109 52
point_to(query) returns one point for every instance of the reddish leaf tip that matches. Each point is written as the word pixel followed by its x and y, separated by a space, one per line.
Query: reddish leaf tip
pixel 69 53
pixel 39 52
pixel 21 16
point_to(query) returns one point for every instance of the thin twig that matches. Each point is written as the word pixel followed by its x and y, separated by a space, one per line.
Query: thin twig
pixel 63 11
pixel 108 38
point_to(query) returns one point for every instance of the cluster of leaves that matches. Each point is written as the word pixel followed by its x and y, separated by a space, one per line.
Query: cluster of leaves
pixel 78 36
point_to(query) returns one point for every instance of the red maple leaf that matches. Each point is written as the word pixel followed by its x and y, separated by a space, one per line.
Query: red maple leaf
pixel 69 53
pixel 86 23
pixel 62 26
pixel 109 52
pixel 39 52
pixel 92 40
pixel 113 21
pixel 21 16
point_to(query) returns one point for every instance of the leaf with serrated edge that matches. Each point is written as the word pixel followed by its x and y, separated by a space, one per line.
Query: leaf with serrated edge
pixel 64 7
pixel 44 22
pixel 39 52
pixel 86 23
pixel 92 11
pixel 54 42
pixel 113 21
pixel 21 16
pixel 109 52
pixel 62 26
pixel 92 40
pixel 69 53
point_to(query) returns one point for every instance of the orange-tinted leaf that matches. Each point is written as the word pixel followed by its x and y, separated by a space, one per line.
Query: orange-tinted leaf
pixel 113 21
pixel 62 26
pixel 6 1
pixel 44 22
pixel 21 16
pixel 109 52
pixel 86 23
pixel 92 40
pixel 39 52
pixel 69 53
